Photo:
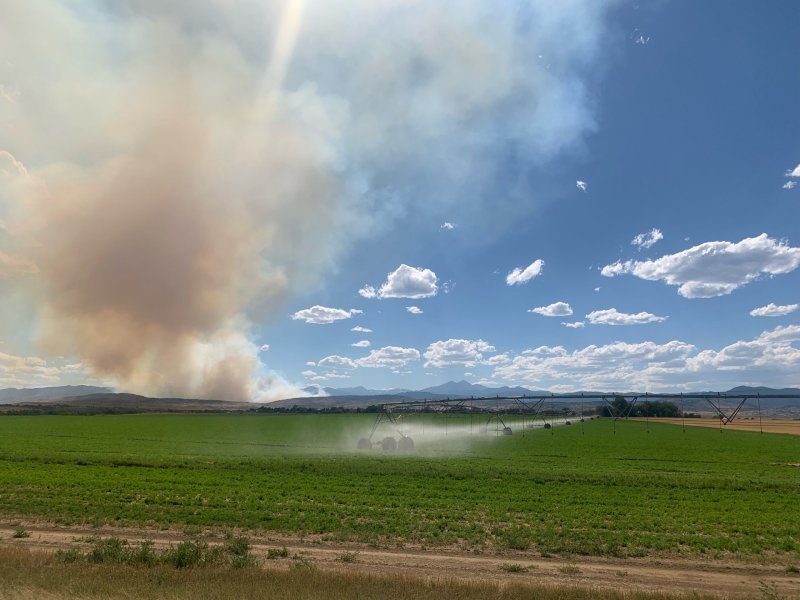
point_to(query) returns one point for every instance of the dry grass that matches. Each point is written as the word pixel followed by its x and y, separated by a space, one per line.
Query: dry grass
pixel 28 575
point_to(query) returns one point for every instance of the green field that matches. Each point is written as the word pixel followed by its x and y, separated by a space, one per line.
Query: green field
pixel 648 489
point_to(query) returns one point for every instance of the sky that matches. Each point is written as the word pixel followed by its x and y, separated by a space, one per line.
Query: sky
pixel 243 200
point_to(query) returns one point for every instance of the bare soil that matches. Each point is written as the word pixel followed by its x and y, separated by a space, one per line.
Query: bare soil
pixel 766 425
pixel 725 578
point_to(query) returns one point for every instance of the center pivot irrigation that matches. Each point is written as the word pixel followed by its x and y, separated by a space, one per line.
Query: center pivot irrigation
pixel 489 409
pixel 494 408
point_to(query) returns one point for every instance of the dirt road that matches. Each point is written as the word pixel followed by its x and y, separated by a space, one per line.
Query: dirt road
pixel 724 578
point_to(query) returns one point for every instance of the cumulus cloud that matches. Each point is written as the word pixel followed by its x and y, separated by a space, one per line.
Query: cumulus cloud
pixel 557 309
pixel 519 276
pixel 392 357
pixel 361 344
pixel 714 268
pixel 789 185
pixel 497 359
pixel 773 310
pixel 360 329
pixel 456 352
pixel 337 362
pixel 611 316
pixel 324 315
pixel 574 324
pixel 309 373
pixel 612 366
pixel 254 156
pixel 769 359
pixel 647 240
pixel 264 347
pixel 793 172
pixel 34 371
pixel 414 310
pixel 404 282
pixel 581 185
pixel 447 226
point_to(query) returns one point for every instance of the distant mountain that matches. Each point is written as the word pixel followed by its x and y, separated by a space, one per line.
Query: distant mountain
pixel 744 389
pixel 14 395
pixel 359 390
pixel 467 389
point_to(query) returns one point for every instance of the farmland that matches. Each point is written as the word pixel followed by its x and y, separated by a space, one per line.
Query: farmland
pixel 648 490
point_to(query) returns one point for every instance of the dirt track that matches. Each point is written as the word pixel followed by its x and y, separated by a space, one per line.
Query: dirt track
pixel 724 578
pixel 768 425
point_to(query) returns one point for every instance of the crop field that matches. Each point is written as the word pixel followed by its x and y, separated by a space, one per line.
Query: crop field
pixel 647 490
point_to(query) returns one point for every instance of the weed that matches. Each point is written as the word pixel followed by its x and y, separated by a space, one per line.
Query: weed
pixel 769 591
pixel 513 568
pixel 302 563
pixel 69 556
pixel 274 553
pixel 347 557
pixel 193 554
pixel 113 549
pixel 792 569
pixel 569 570
pixel 21 533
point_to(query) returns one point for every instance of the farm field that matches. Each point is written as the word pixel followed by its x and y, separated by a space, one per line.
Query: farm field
pixel 648 490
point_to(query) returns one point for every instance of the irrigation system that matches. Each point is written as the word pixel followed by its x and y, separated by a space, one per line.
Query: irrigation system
pixel 492 409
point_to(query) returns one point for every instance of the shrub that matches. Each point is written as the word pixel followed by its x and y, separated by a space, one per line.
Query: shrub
pixel 111 549
pixel 513 568
pixel 21 533
pixel 273 553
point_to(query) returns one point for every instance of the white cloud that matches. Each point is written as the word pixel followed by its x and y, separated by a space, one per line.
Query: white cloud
pixel 789 185
pixel 414 310
pixel 368 292
pixel 597 289
pixel 311 363
pixel 361 344
pixel 309 373
pixel 714 268
pixel 361 329
pixel 793 172
pixel 647 240
pixel 773 310
pixel 581 185
pixel 404 282
pixel 574 325
pixel 448 226
pixel 337 362
pixel 557 309
pixel 519 276
pixel 264 347
pixel 497 359
pixel 392 357
pixel 34 371
pixel 323 315
pixel 611 316
pixel 613 366
pixel 772 359
pixel 453 352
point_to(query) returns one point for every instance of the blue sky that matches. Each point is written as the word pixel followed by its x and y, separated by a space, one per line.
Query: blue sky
pixel 367 130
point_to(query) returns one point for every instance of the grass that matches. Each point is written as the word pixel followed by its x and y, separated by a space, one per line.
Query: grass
pixel 646 490
pixel 26 575
pixel 513 568
pixel 21 533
